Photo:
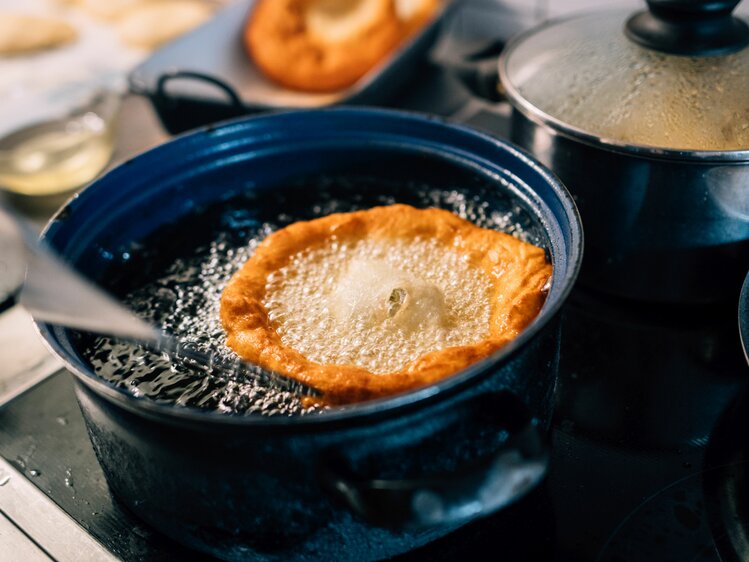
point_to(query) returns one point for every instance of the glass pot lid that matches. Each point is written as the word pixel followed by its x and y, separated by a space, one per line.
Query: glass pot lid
pixel 592 76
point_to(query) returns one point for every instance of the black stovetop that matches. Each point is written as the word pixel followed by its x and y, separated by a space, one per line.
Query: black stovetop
pixel 647 442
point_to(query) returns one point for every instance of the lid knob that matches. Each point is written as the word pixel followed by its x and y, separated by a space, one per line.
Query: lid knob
pixel 689 27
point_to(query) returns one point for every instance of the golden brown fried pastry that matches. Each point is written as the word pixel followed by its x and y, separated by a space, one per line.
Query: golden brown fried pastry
pixel 415 13
pixel 373 303
pixel 327 45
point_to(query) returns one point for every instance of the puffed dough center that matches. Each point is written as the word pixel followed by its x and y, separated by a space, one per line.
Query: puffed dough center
pixel 371 292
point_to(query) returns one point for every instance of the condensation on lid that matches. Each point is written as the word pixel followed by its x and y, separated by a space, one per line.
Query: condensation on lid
pixel 585 73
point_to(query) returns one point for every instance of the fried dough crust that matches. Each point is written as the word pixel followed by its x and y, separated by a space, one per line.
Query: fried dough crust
pixel 518 271
pixel 289 51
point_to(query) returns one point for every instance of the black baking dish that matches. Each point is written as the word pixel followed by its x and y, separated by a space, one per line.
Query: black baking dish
pixel 206 75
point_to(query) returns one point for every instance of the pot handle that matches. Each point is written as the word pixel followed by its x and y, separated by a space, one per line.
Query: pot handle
pixel 471 490
pixel 164 79
pixel 696 28
pixel 478 71
pixel 178 114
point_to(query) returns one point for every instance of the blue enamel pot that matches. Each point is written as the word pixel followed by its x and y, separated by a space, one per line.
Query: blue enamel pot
pixel 744 316
pixel 365 482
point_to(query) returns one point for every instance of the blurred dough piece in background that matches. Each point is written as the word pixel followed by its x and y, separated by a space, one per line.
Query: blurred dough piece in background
pixel 21 34
pixel 148 25
pixel 106 9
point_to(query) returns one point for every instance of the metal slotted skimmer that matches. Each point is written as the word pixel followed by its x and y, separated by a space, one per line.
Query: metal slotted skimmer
pixel 53 292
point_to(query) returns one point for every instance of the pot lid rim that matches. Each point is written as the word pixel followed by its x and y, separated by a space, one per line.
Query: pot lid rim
pixel 533 112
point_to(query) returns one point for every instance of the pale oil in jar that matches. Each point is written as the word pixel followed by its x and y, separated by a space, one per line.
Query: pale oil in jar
pixel 55 156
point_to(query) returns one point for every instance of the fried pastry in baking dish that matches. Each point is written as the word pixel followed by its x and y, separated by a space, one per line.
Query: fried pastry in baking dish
pixel 327 45
pixel 373 303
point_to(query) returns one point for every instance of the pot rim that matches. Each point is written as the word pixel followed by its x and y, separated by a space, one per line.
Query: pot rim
pixel 532 112
pixel 362 412
pixel 744 317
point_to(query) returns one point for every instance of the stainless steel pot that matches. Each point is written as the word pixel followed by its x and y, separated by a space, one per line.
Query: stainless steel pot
pixel 652 145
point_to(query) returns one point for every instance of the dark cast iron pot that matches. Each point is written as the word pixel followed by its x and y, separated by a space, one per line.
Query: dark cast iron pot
pixel 364 482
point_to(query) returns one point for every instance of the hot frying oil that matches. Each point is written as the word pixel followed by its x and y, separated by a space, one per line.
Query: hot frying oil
pixel 183 295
